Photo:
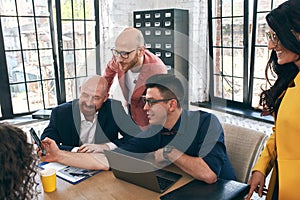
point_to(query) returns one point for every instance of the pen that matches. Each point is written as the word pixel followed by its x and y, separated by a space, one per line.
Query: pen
pixel 78 174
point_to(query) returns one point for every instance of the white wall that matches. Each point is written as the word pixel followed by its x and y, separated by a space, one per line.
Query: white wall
pixel 115 15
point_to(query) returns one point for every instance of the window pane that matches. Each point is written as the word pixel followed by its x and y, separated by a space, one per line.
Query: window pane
pixel 227 32
pixel 261 59
pixel 67 9
pixel 262 27
pixel 217 32
pixel 263 5
pixel 70 89
pixel 227 65
pixel 90 35
pixel 32 71
pixel 218 91
pixel 35 96
pixel 238 89
pixel 47 67
pixel 44 35
pixel 227 87
pixel 238 8
pixel 67 35
pixel 238 32
pixel 10 33
pixel 49 93
pixel 28 33
pixel 226 8
pixel 78 9
pixel 238 61
pixel 31 57
pixel 8 8
pixel 79 34
pixel 257 85
pixel 91 61
pixel 80 63
pixel 217 60
pixel 25 8
pixel 19 98
pixel 14 66
pixel 41 8
pixel 69 64
pixel 216 5
pixel 89 9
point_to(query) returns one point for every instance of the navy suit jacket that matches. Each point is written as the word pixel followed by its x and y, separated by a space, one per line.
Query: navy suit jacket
pixel 64 125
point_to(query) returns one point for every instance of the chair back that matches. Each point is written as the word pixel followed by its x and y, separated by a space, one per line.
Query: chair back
pixel 243 146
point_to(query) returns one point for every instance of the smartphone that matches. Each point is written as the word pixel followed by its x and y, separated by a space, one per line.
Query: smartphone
pixel 37 141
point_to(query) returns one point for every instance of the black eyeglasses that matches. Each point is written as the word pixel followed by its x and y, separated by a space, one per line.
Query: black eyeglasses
pixel 153 101
pixel 123 54
pixel 273 37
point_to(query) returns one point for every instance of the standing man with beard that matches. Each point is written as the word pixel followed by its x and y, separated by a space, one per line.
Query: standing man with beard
pixel 91 119
pixel 133 64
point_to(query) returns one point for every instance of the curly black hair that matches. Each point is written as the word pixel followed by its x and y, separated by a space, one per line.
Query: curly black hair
pixel 284 21
pixel 18 165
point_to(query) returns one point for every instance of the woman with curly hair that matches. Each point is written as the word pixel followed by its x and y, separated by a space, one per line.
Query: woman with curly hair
pixel 17 165
pixel 282 152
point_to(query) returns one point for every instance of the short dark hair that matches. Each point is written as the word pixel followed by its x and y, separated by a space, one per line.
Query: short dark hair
pixel 168 84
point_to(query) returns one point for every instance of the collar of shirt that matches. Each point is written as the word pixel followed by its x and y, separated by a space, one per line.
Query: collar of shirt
pixel 131 79
pixel 87 130
pixel 82 118
pixel 173 131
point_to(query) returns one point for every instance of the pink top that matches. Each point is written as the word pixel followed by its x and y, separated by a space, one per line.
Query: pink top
pixel 151 65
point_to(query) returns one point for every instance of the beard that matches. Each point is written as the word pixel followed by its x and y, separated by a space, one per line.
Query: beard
pixel 125 66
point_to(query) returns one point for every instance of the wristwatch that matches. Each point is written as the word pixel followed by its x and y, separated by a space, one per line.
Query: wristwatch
pixel 166 150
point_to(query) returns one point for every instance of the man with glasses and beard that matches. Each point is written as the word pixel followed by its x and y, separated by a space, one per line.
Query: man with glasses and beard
pixel 133 64
pixel 92 119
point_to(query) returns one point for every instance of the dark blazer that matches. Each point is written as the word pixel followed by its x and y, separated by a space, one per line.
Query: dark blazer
pixel 64 125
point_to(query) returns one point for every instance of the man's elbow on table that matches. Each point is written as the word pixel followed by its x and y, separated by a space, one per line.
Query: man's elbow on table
pixel 208 178
pixel 99 162
pixel 99 166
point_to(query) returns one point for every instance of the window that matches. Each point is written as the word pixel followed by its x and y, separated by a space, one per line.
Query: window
pixel 46 48
pixel 77 43
pixel 228 47
pixel 238 49
pixel 29 54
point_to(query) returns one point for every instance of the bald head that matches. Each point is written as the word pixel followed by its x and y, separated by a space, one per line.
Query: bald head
pixel 130 38
pixel 95 82
pixel 93 93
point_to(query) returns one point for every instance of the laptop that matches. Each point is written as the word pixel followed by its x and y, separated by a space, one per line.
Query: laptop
pixel 140 172
pixel 41 114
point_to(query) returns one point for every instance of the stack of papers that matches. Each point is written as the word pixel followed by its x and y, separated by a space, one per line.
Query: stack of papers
pixel 71 174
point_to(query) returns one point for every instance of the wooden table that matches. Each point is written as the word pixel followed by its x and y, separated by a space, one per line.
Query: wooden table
pixel 105 186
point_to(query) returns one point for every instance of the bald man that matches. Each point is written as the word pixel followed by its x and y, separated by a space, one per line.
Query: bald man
pixel 91 119
pixel 133 64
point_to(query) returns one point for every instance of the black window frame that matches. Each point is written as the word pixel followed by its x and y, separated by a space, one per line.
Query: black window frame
pixel 5 92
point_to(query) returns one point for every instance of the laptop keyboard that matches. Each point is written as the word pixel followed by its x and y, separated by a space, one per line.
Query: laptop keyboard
pixel 163 183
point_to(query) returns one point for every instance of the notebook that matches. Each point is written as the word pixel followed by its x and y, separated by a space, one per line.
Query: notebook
pixel 140 172
pixel 221 190
pixel 70 174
